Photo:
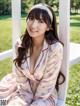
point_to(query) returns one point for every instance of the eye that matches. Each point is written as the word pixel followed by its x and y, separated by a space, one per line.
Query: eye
pixel 40 21
pixel 31 18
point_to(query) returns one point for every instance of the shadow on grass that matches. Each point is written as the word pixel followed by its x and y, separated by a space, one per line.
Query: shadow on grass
pixel 77 18
pixel 74 13
pixel 4 17
pixel 76 24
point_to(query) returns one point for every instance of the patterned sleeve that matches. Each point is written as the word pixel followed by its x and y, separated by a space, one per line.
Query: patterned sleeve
pixel 47 84
pixel 18 73
pixel 22 81
pixel 21 77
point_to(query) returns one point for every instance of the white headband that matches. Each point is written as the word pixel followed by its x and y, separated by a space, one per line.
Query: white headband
pixel 44 7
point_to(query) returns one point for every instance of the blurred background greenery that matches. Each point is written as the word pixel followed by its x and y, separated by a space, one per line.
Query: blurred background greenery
pixel 73 95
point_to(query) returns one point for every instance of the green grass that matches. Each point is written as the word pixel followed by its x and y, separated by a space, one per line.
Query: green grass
pixel 75 28
pixel 5 67
pixel 73 96
pixel 5 33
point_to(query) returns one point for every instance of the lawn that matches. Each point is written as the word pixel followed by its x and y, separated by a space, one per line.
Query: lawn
pixel 73 96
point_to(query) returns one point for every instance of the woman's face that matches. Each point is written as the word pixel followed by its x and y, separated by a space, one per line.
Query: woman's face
pixel 36 28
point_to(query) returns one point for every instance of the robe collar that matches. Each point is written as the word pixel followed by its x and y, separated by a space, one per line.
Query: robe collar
pixel 45 47
pixel 40 63
pixel 41 56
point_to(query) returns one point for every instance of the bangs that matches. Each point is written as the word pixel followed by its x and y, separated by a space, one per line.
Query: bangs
pixel 40 14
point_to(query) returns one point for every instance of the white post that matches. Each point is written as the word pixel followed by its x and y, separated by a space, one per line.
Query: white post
pixel 16 22
pixel 64 30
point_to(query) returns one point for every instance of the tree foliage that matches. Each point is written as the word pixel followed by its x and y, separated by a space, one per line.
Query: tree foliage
pixel 5 5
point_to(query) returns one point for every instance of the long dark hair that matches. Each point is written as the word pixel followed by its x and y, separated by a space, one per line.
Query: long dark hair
pixel 51 37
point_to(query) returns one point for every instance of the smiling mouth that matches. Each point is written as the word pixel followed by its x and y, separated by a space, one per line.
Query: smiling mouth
pixel 33 31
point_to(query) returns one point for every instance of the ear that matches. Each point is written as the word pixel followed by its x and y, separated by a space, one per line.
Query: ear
pixel 47 29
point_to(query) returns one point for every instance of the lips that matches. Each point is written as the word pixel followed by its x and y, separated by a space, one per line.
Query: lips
pixel 33 31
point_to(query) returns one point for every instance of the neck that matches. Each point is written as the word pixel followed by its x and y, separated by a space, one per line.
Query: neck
pixel 38 42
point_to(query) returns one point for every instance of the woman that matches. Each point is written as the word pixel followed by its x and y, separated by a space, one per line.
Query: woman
pixel 38 60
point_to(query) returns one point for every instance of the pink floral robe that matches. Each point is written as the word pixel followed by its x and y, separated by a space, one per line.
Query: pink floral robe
pixel 23 89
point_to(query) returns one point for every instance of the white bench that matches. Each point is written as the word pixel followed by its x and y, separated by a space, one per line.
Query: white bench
pixel 74 53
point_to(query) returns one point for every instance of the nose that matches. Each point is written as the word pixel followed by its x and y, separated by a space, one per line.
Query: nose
pixel 34 24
